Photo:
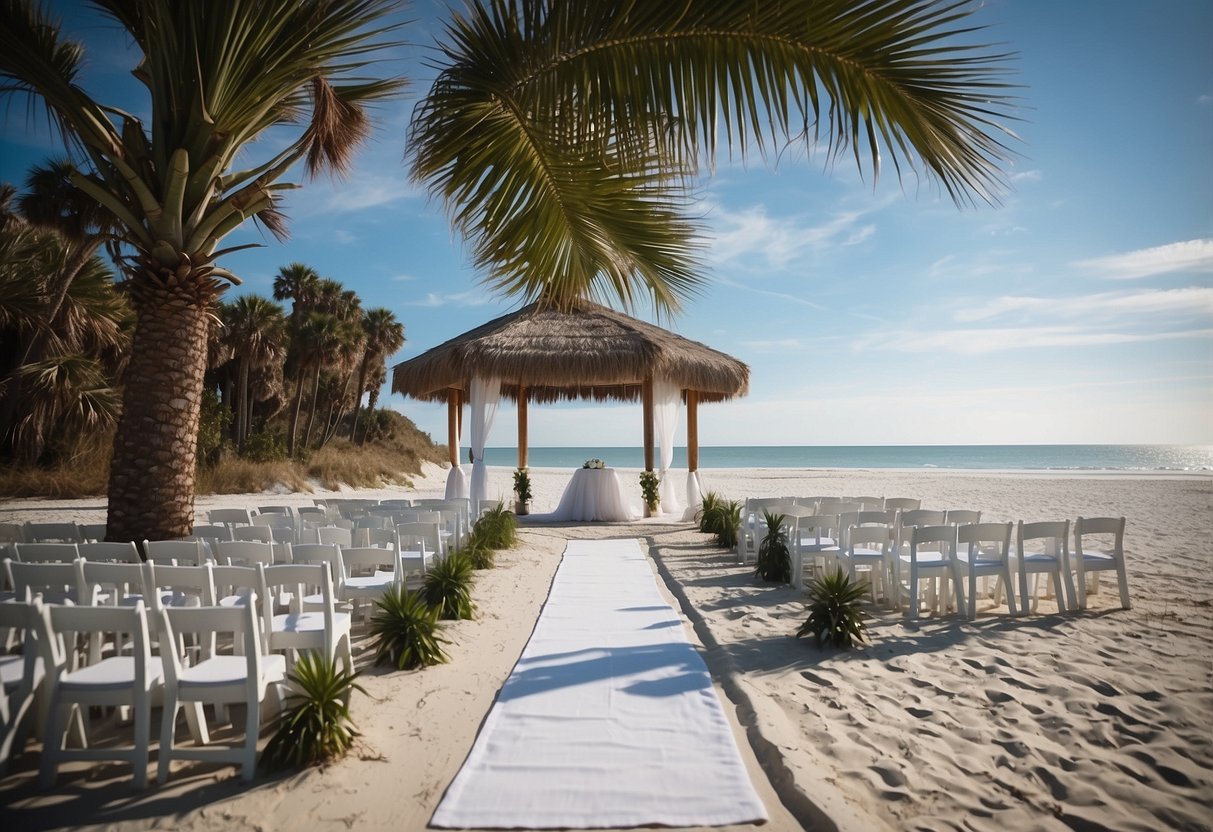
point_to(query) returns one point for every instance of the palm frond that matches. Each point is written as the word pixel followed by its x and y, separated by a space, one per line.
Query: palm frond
pixel 561 136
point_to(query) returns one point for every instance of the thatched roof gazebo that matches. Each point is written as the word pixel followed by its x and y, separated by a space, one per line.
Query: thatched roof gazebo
pixel 543 354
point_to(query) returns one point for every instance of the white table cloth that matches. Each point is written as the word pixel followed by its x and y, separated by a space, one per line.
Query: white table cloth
pixel 595 494
pixel 609 719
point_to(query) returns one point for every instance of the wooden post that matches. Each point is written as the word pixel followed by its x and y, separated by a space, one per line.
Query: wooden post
pixel 646 395
pixel 521 426
pixel 452 424
pixel 459 416
pixel 692 430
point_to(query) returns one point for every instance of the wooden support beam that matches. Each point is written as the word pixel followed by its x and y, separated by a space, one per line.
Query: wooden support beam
pixel 452 424
pixel 692 430
pixel 647 408
pixel 522 427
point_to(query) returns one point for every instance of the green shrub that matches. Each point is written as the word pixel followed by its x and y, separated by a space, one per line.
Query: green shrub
pixel 265 445
pixel 315 725
pixel 213 422
pixel 522 485
pixel 723 520
pixel 406 630
pixel 835 614
pixel 774 559
pixel 497 528
pixel 649 485
pixel 479 553
pixel 448 587
pixel 711 501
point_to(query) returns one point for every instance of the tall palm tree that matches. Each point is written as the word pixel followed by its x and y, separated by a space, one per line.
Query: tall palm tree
pixel 318 336
pixel 256 330
pixel 217 76
pixel 384 335
pixel 562 136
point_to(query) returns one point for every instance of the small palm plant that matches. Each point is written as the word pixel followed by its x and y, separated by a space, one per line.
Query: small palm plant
pixel 478 552
pixel 406 630
pixel 774 559
pixel 834 610
pixel 723 519
pixel 497 527
pixel 448 587
pixel 711 501
pixel 315 726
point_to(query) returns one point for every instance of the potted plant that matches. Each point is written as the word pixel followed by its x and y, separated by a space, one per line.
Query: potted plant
pixel 774 558
pixel 648 488
pixel 522 492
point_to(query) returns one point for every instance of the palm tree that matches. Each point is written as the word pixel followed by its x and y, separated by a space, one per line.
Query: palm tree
pixel 563 136
pixel 318 335
pixel 256 330
pixel 218 76
pixel 384 335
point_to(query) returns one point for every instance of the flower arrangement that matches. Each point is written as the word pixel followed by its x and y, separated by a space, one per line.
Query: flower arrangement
pixel 596 464
pixel 648 487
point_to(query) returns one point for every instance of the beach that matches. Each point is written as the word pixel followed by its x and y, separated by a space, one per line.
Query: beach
pixel 1091 720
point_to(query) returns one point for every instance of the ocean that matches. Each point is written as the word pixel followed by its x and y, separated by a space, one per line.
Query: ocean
pixel 960 457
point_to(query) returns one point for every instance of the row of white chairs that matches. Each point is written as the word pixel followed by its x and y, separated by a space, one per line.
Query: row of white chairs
pixel 153 604
pixel 884 543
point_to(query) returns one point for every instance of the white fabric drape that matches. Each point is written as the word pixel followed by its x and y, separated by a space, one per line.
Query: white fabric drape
pixel 456 478
pixel 666 399
pixel 486 393
pixel 694 495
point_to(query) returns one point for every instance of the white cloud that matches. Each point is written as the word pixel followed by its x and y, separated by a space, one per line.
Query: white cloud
pixel 1198 299
pixel 724 281
pixel 1027 176
pixel 751 234
pixel 1189 256
pixel 981 341
pixel 344 237
pixel 1205 99
pixel 474 297
pixel 402 278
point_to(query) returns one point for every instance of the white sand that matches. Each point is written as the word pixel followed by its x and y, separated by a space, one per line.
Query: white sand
pixel 1097 720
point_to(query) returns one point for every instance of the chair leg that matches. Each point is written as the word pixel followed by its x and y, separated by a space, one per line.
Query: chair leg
pixel 1005 580
pixel 1023 593
pixel 52 743
pixel 168 723
pixel 1123 580
pixel 252 730
pixel 1081 585
pixel 143 729
pixel 1065 595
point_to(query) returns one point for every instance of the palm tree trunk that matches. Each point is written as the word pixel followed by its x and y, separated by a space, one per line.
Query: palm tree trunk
pixel 242 409
pixel 290 439
pixel 151 484
pixel 311 416
pixel 362 368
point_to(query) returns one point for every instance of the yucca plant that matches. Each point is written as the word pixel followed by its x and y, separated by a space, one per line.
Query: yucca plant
pixel 448 587
pixel 711 501
pixel 723 520
pixel 835 614
pixel 497 528
pixel 315 726
pixel 406 630
pixel 774 559
pixel 478 552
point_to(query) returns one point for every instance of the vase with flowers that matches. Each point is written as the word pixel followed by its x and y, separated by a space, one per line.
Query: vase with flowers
pixel 649 484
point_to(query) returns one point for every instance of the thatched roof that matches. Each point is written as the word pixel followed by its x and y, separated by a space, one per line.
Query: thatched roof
pixel 590 352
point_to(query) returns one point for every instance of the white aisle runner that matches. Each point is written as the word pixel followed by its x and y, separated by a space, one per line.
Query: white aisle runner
pixel 609 718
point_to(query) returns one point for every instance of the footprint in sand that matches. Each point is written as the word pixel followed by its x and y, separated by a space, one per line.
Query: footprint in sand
pixel 998 696
pixel 1016 748
pixel 919 713
pixel 817 680
pixel 1058 789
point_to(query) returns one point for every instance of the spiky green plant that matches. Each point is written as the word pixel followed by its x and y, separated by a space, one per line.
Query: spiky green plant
pixel 315 726
pixel 835 614
pixel 774 559
pixel 406 630
pixel 448 587
pixel 723 520
pixel 497 528
pixel 478 552
pixel 711 501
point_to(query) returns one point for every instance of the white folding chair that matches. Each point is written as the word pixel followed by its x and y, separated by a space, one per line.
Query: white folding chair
pixel 120 680
pixel 867 503
pixel 867 546
pixel 52 533
pixel 46 552
pixel 217 679
pixel 230 516
pixel 244 553
pixel 335 535
pixel 368 572
pixel 817 538
pixel 176 552
pixel 1044 549
pixel 57 583
pixel 417 544
pixel 323 629
pixel 1106 555
pixel 110 552
pixel 961 517
pixel 111 584
pixel 902 504
pixel 91 532
pixel 930 556
pixel 984 550
pixel 21 675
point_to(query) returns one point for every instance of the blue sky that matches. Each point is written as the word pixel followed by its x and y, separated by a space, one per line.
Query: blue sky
pixel 1079 311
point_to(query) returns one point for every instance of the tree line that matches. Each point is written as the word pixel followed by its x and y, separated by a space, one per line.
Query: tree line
pixel 280 383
